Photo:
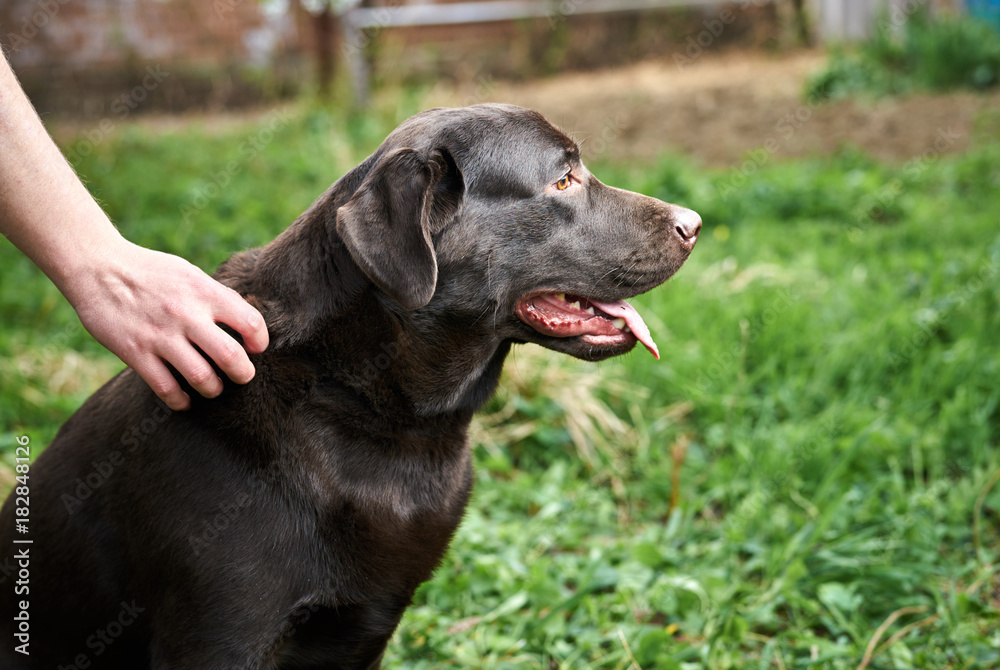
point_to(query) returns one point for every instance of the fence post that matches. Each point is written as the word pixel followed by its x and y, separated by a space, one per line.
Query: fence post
pixel 355 41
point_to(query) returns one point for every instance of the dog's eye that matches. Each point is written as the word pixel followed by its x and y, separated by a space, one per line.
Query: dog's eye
pixel 564 183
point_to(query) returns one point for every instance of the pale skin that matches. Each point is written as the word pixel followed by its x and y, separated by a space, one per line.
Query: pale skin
pixel 149 308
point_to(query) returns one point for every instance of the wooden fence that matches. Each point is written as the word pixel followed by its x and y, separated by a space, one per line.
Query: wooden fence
pixel 360 23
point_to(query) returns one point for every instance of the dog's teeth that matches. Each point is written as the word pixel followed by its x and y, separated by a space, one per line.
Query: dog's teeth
pixel 575 305
pixel 626 329
pixel 589 310
pixel 561 296
pixel 618 323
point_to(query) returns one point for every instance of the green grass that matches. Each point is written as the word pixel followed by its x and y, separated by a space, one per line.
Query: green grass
pixel 816 451
pixel 914 53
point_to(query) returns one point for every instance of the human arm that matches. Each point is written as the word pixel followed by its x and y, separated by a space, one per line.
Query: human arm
pixel 147 307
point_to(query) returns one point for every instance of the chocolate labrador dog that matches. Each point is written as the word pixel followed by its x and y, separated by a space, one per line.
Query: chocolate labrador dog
pixel 286 524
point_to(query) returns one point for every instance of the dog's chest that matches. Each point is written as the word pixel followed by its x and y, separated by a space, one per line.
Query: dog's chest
pixel 387 509
pixel 397 484
pixel 404 483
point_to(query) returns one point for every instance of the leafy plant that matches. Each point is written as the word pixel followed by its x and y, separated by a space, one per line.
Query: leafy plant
pixel 807 479
pixel 939 53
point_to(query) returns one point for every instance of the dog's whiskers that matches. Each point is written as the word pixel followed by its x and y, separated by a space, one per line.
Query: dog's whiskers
pixel 615 268
pixel 489 287
pixel 623 275
pixel 483 313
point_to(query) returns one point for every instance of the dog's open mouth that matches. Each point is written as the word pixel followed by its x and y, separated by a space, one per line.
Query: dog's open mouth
pixel 597 323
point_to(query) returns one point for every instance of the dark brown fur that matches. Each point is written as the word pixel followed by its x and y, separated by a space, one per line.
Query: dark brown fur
pixel 287 523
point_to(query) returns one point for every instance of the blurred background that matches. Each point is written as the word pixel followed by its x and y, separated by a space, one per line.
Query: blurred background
pixel 809 478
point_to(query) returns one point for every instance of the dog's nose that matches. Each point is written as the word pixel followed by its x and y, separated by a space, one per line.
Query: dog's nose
pixel 687 223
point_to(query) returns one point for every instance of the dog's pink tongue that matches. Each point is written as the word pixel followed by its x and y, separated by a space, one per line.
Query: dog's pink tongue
pixel 634 321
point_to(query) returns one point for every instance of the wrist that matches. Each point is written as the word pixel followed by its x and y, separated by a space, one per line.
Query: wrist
pixel 86 265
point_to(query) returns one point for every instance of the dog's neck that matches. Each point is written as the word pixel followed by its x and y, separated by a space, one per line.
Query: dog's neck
pixel 314 296
pixel 462 380
pixel 306 274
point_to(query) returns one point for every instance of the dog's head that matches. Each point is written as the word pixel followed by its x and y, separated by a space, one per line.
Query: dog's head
pixel 487 217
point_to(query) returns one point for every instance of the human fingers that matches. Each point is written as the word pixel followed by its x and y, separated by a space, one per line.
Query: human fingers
pixel 225 351
pixel 235 312
pixel 155 373
pixel 193 367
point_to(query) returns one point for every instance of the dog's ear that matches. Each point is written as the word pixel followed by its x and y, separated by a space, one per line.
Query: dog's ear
pixel 388 222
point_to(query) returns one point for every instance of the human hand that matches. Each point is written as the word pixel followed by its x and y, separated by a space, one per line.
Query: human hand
pixel 150 308
pixel 147 307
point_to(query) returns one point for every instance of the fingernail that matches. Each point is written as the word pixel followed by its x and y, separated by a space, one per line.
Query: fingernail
pixel 217 391
pixel 180 404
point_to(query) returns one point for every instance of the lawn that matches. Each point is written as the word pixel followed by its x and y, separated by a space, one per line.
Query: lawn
pixel 807 479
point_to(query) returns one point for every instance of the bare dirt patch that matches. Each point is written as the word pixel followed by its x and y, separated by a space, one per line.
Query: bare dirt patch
pixel 719 108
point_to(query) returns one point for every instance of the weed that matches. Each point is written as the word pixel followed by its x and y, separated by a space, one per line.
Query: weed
pixel 920 53
pixel 807 478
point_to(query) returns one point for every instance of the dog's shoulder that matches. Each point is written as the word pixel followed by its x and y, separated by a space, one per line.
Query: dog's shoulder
pixel 238 270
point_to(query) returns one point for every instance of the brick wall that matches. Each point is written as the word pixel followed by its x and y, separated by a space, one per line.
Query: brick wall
pixel 75 56
pixel 80 57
